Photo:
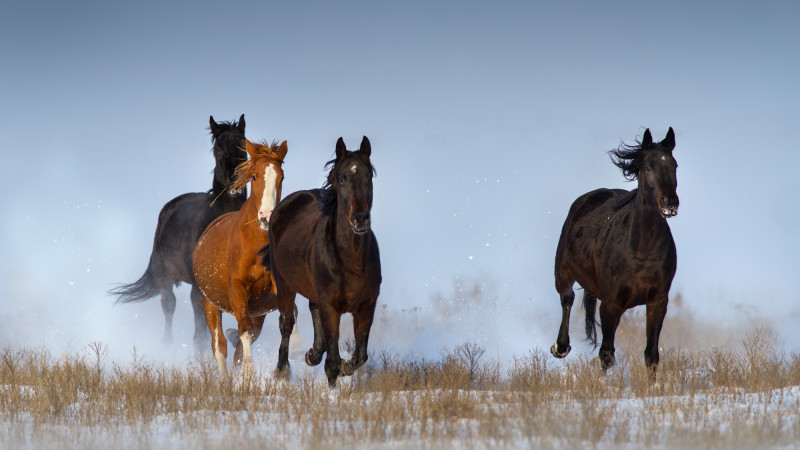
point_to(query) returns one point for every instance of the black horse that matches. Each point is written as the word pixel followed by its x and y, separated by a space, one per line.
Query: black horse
pixel 321 246
pixel 617 245
pixel 180 224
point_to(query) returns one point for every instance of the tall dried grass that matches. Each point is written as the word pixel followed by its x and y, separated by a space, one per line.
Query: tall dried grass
pixel 715 398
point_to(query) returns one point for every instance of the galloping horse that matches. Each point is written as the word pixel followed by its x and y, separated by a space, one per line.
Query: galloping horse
pixel 226 265
pixel 322 247
pixel 617 245
pixel 180 224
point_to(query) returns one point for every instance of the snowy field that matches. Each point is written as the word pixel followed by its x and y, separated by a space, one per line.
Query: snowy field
pixel 748 397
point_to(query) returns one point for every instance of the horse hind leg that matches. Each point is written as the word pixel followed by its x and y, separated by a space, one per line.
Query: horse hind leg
pixel 286 322
pixel 168 303
pixel 562 348
pixel 201 335
pixel 219 345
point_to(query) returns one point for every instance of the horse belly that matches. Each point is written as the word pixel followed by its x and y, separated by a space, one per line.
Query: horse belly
pixel 210 267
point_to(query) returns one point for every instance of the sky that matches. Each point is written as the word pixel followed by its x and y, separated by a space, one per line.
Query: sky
pixel 486 121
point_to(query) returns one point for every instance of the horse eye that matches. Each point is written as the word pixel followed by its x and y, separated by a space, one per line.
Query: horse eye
pixel 342 178
pixel 253 178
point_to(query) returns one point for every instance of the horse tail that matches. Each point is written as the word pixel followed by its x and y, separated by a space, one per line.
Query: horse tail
pixel 264 254
pixel 138 291
pixel 589 305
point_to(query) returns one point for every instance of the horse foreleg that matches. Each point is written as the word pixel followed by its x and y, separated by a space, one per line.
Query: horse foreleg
pixel 362 323
pixel 244 348
pixel 201 335
pixel 219 346
pixel 656 312
pixel 286 323
pixel 561 348
pixel 238 297
pixel 314 354
pixel 609 321
pixel 168 306
pixel 329 320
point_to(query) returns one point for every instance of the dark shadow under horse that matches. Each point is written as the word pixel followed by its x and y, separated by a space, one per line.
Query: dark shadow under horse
pixel 618 246
pixel 180 224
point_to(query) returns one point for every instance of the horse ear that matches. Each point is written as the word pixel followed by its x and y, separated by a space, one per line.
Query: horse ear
pixel 211 124
pixel 282 151
pixel 340 149
pixel 240 126
pixel 251 150
pixel 669 141
pixel 366 148
pixel 647 139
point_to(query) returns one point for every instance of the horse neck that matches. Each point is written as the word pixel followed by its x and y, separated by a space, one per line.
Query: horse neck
pixel 647 223
pixel 351 247
pixel 249 209
pixel 223 200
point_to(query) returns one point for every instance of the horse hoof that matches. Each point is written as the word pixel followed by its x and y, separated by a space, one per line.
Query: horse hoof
pixel 283 374
pixel 310 360
pixel 554 351
pixel 347 369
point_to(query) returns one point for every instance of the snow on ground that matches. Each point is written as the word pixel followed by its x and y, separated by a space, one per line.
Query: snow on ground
pixel 701 420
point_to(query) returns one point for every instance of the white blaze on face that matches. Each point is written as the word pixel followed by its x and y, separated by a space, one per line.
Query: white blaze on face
pixel 269 198
pixel 353 168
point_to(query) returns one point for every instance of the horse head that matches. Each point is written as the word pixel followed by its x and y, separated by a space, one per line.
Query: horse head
pixel 655 168
pixel 660 179
pixel 351 178
pixel 228 138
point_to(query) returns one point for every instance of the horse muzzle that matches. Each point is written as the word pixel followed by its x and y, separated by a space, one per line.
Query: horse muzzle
pixel 263 223
pixel 360 222
pixel 668 206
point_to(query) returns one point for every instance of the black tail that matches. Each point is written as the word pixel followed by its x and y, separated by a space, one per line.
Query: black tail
pixel 589 304
pixel 138 291
pixel 264 254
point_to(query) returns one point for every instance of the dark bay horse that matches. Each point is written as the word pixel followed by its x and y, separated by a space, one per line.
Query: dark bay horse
pixel 226 265
pixel 617 245
pixel 180 224
pixel 322 247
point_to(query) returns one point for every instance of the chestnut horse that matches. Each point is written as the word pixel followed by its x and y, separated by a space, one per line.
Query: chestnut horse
pixel 322 247
pixel 617 245
pixel 226 266
pixel 180 224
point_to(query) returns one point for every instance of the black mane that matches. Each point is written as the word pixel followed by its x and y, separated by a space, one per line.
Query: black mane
pixel 328 191
pixel 627 158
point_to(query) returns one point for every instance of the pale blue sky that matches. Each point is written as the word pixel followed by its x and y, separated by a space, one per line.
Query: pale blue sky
pixel 486 121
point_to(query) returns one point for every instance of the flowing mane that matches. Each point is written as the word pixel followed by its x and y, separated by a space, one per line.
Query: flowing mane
pixel 627 158
pixel 244 171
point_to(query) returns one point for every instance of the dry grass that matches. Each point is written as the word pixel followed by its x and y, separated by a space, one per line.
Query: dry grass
pixel 715 398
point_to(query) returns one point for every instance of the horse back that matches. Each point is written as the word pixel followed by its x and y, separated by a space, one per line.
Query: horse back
pixel 180 223
pixel 587 224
